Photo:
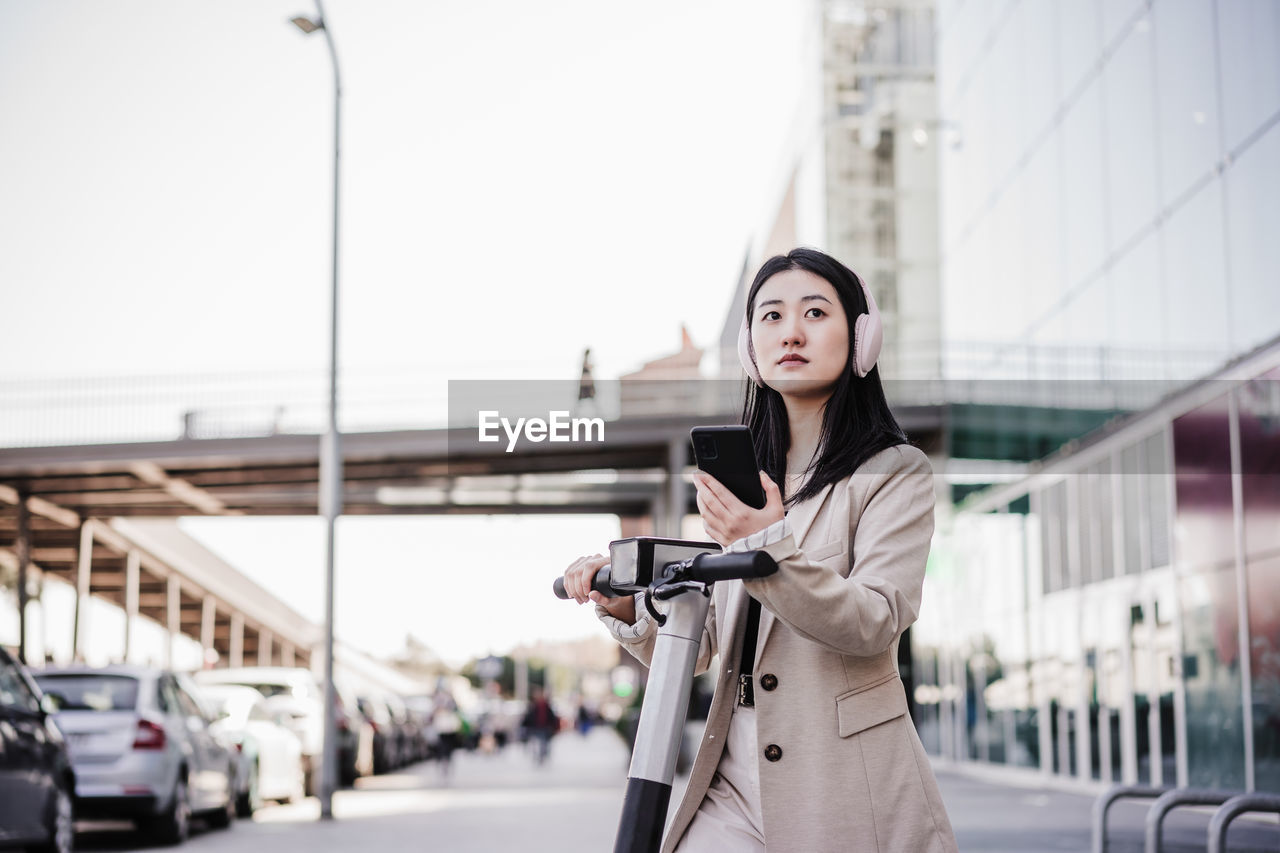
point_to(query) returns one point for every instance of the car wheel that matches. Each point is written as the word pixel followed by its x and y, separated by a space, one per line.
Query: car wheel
pixel 174 825
pixel 347 776
pixel 310 782
pixel 249 801
pixel 225 816
pixel 62 830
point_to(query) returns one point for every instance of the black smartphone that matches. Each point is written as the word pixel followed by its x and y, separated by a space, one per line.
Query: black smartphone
pixel 728 454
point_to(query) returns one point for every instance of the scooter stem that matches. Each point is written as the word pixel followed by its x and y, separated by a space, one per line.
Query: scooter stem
pixel 661 726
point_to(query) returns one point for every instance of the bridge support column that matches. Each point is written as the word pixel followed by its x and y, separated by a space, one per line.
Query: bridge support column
pixel 173 617
pixel 132 591
pixel 84 568
pixel 23 548
pixel 264 647
pixel 237 640
pixel 208 617
pixel 677 492
pixel 658 512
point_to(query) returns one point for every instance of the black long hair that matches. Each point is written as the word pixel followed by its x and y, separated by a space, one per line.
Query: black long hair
pixel 856 421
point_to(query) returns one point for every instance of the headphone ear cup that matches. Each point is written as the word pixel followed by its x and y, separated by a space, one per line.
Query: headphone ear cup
pixel 868 335
pixel 867 339
pixel 746 356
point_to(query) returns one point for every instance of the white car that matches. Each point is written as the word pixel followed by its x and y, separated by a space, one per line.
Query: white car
pixel 271 761
pixel 296 692
pixel 288 690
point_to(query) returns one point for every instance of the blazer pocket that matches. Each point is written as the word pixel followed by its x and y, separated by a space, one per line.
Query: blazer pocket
pixel 870 706
pixel 823 552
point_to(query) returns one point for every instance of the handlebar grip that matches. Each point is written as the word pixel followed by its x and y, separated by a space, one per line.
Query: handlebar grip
pixel 600 583
pixel 710 568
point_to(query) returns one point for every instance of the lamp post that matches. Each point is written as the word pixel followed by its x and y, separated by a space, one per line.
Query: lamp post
pixel 330 445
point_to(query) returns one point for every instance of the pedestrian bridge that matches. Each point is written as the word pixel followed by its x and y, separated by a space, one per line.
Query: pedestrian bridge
pixel 99 517
pixel 76 511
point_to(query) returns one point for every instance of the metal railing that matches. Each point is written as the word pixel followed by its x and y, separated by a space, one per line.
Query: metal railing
pixel 1232 809
pixel 88 410
pixel 1110 797
pixel 1171 800
pixel 1231 804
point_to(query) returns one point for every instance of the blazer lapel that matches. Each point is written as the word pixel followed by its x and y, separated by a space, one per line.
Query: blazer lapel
pixel 801 516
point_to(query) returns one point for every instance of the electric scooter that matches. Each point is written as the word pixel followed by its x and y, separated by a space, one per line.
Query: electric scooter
pixel 676 576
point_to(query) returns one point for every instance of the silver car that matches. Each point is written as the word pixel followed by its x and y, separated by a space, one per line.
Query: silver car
pixel 141 748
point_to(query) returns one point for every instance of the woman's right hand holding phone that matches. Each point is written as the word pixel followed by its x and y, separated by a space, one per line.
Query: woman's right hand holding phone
pixel 577 583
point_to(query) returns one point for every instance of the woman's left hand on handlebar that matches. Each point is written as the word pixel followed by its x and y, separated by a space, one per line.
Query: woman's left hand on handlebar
pixel 580 574
pixel 727 519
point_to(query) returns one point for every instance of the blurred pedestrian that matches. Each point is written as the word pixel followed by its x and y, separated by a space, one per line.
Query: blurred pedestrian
pixel 541 723
pixel 808 743
pixel 446 723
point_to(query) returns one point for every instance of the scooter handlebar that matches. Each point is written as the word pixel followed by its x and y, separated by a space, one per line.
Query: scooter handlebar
pixel 601 584
pixel 706 568
pixel 710 568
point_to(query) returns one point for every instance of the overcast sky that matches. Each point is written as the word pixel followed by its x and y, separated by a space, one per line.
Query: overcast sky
pixel 521 181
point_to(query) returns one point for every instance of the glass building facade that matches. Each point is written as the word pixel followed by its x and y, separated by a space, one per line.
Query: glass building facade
pixel 1114 173
pixel 1114 615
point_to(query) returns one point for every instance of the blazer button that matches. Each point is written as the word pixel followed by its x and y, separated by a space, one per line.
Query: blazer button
pixel 768 681
pixel 773 752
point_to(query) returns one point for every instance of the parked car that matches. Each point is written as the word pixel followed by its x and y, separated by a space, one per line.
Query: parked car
pixel 378 716
pixel 402 725
pixel 419 720
pixel 37 783
pixel 270 755
pixel 355 738
pixel 296 692
pixel 141 747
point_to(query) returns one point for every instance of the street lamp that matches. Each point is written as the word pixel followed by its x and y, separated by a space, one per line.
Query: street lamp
pixel 330 446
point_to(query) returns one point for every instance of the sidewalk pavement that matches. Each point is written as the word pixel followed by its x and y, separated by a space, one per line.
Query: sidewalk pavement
pixel 484 803
pixel 571 804
pixel 993 813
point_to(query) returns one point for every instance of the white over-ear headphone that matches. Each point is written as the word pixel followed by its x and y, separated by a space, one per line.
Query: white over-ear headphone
pixel 868 334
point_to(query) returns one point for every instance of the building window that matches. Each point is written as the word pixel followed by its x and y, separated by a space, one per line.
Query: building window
pixel 1131 508
pixel 1208 597
pixel 1105 515
pixel 1157 482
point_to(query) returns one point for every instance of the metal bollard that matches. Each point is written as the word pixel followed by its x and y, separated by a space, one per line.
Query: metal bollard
pixel 1103 804
pixel 1170 801
pixel 1232 809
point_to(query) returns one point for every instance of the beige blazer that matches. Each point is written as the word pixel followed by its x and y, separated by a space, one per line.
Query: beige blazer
pixel 841 766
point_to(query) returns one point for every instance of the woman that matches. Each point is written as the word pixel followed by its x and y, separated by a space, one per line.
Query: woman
pixel 819 753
